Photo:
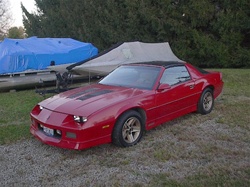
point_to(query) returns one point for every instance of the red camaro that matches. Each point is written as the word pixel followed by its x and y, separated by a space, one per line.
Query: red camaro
pixel 128 101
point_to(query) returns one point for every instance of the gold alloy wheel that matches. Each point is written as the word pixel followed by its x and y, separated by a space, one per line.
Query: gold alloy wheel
pixel 131 130
pixel 207 101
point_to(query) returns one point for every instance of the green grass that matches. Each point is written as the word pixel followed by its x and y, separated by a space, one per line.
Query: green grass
pixel 212 178
pixel 234 103
pixel 14 114
pixel 236 82
pixel 15 107
pixel 12 133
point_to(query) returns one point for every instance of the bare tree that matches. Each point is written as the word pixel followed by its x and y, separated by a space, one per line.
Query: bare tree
pixel 5 17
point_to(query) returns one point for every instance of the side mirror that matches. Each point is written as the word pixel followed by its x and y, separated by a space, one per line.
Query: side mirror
pixel 163 87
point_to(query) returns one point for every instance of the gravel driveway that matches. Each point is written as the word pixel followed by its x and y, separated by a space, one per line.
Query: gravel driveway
pixel 173 151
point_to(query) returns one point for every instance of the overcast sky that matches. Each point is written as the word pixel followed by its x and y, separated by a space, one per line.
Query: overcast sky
pixel 17 11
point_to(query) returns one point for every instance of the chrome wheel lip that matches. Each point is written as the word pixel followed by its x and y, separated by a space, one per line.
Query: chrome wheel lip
pixel 131 130
pixel 207 101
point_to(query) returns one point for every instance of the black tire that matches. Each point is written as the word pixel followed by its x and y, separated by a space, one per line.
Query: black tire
pixel 128 129
pixel 206 102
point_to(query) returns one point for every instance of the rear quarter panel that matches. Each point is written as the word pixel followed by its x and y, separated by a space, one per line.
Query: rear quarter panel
pixel 211 79
pixel 214 79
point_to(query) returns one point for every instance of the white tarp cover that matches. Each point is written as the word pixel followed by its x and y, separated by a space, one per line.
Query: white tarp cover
pixel 128 52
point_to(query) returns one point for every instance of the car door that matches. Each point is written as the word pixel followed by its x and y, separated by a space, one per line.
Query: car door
pixel 179 98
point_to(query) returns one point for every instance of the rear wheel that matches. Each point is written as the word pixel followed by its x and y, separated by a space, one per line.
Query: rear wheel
pixel 128 129
pixel 206 102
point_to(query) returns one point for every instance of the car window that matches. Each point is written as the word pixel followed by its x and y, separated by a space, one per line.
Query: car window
pixel 142 77
pixel 175 75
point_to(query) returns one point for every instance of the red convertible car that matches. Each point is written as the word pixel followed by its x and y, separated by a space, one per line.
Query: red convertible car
pixel 119 108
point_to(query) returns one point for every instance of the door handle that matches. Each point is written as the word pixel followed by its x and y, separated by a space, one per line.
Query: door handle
pixel 191 86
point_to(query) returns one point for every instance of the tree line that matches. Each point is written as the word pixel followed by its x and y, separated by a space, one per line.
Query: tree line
pixel 5 18
pixel 207 33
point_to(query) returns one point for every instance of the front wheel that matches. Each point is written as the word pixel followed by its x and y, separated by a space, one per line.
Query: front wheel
pixel 128 129
pixel 206 102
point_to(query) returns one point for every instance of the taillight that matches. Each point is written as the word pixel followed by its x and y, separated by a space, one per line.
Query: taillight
pixel 220 76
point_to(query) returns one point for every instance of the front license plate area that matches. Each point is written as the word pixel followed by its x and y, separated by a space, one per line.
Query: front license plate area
pixel 48 131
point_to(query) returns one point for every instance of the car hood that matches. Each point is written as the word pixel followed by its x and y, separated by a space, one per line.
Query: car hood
pixel 86 100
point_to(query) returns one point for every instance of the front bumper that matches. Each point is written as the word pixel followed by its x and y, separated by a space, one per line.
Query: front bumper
pixel 76 139
pixel 58 142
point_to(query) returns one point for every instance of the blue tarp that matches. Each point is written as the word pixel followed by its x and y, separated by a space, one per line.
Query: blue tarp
pixel 18 55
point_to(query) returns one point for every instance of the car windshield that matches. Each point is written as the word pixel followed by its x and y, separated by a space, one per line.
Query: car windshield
pixel 134 76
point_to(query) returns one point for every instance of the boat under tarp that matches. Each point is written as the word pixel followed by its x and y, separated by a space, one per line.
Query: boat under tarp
pixel 124 53
pixel 24 62
pixel 18 55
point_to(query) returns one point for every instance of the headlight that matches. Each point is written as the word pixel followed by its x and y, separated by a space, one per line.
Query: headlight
pixel 80 119
pixel 59 132
pixel 40 107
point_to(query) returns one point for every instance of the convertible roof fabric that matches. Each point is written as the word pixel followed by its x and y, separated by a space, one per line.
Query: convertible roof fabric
pixel 18 55
pixel 125 53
